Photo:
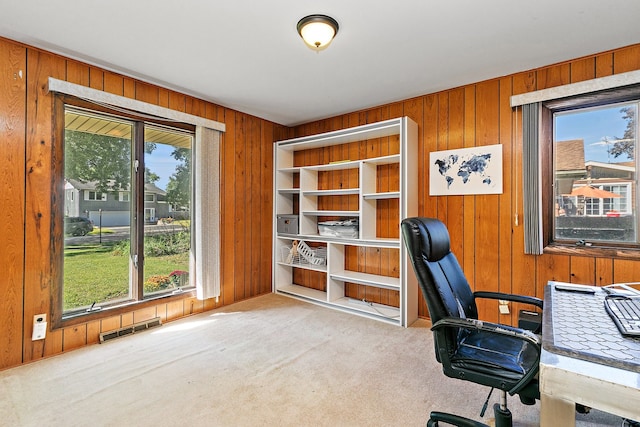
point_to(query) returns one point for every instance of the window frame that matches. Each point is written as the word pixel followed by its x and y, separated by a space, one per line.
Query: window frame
pixel 87 196
pixel 550 244
pixel 60 319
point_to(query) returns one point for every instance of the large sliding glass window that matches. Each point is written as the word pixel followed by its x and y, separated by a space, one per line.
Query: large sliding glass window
pixel 127 210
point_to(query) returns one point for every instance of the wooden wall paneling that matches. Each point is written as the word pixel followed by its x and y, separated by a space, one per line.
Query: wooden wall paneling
pixel 604 271
pixel 38 213
pixel 161 311
pixel 552 267
pixel 147 93
pixel 74 337
pixel 52 345
pixel 256 208
pixel 442 144
pixel 625 270
pixel 215 112
pixel 77 73
pixel 415 110
pixel 524 82
pixel 13 77
pixel 175 310
pixel 177 101
pixel 455 204
pixel 93 332
pixel 192 306
pixel 240 225
pixel 626 59
pixel 211 303
pixel 96 78
pixel 195 106
pixel 163 97
pixel 126 319
pixel 604 64
pixel 110 323
pixel 144 314
pixel 582 69
pixel 228 208
pixel 468 260
pixel 487 207
pixel 583 270
pixel 427 205
pixel 114 83
pixel 372 266
pixel 396 110
pixel 129 87
pixel 555 75
pixel 266 204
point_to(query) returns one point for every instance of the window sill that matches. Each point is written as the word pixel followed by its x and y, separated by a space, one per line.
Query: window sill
pixel 73 319
pixel 556 248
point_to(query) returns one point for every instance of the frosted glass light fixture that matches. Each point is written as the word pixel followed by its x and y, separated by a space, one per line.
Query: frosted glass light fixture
pixel 317 31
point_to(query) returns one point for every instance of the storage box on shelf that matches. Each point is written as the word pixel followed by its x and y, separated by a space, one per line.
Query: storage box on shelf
pixel 345 192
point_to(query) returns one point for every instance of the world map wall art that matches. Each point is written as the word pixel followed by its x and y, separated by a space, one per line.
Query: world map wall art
pixel 476 170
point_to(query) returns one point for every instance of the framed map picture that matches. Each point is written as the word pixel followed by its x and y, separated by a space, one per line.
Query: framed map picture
pixel 476 170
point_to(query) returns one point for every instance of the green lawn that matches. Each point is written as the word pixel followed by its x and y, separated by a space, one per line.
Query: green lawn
pixel 94 273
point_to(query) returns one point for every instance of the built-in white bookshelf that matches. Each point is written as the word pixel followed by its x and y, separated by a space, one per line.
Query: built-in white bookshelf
pixel 297 192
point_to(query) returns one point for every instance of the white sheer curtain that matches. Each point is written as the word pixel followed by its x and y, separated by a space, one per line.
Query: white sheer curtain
pixel 205 242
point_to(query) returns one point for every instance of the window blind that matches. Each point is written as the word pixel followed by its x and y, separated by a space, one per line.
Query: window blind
pixel 532 201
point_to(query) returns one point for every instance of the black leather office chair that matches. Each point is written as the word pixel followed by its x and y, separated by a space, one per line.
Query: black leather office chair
pixel 498 356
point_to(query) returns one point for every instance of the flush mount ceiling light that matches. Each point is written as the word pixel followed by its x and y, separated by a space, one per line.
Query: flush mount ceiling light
pixel 317 31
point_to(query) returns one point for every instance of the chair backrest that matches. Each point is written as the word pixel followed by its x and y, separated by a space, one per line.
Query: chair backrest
pixel 442 281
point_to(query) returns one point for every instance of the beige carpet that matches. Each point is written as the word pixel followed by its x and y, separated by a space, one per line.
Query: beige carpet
pixel 268 361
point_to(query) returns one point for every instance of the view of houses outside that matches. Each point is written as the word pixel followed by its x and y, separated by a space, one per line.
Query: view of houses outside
pixel 99 267
pixel 595 174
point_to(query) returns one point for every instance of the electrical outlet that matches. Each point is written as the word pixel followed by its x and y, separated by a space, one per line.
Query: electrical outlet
pixel 503 306
pixel 39 327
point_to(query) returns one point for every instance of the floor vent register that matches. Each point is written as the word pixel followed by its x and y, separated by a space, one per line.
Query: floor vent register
pixel 131 329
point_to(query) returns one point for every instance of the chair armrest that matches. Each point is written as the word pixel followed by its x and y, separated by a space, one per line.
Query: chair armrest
pixel 495 328
pixel 509 297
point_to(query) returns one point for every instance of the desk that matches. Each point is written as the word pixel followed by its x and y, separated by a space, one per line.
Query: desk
pixel 594 366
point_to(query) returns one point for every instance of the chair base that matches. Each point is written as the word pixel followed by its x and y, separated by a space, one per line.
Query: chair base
pixel 437 417
pixel 503 416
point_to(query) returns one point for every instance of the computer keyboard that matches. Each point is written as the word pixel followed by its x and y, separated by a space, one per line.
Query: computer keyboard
pixel 625 313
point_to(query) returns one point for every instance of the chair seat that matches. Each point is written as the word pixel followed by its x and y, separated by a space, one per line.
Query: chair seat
pixel 496 355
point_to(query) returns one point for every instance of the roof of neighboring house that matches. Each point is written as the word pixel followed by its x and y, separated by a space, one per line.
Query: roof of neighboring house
pixel 570 155
pixel 152 188
pixel 625 166
pixel 91 185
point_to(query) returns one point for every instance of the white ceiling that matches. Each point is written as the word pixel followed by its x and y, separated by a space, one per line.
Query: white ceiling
pixel 247 55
